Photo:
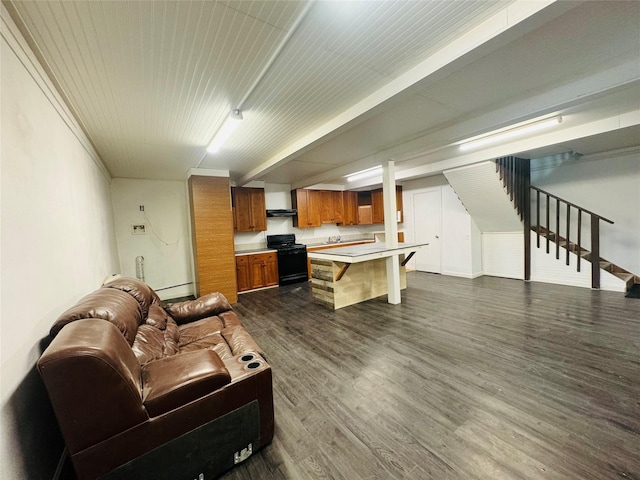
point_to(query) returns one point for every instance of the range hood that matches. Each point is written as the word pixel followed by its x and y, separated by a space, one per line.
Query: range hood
pixel 283 212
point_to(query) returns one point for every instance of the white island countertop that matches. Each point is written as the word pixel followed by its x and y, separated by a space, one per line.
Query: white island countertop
pixel 364 253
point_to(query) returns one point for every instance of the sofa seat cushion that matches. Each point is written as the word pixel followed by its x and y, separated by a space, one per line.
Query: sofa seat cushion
pixel 192 332
pixel 152 343
pixel 204 334
pixel 215 342
pixel 108 304
pixel 240 341
pixel 174 381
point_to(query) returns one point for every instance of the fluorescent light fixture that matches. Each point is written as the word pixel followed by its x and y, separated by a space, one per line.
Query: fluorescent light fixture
pixel 361 175
pixel 509 133
pixel 228 127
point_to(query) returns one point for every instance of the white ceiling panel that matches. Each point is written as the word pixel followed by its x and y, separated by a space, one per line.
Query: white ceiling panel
pixel 342 52
pixel 588 39
pixel 152 81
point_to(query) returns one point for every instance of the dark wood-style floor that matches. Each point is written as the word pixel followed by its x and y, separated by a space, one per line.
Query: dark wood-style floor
pixel 466 379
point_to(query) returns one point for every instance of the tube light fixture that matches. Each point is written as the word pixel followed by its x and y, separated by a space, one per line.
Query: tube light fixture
pixel 509 133
pixel 228 127
pixel 361 175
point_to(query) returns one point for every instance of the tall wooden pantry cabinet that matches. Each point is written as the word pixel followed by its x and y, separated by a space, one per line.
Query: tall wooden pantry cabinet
pixel 212 236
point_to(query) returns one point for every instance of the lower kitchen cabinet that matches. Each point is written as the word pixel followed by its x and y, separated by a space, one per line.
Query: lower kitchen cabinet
pixel 256 270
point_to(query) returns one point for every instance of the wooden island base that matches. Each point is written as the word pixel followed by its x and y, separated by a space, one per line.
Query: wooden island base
pixel 339 284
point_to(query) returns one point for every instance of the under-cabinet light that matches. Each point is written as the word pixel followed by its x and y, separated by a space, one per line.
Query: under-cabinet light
pixel 502 135
pixel 228 127
pixel 361 175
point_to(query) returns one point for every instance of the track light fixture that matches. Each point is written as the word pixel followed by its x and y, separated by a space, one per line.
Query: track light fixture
pixel 361 175
pixel 228 127
pixel 508 133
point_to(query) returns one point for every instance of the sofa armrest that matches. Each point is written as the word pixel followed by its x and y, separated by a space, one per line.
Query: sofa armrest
pixel 202 307
pixel 174 381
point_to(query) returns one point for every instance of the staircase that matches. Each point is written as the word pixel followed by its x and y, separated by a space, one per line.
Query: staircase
pixel 583 254
pixel 515 176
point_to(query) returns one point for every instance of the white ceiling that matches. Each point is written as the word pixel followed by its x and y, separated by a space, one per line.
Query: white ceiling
pixel 327 87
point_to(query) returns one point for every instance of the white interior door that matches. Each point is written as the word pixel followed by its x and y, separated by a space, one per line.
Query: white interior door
pixel 427 227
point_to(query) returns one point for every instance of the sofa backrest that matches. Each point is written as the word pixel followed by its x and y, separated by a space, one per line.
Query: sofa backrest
pixel 123 301
pixel 139 290
pixel 94 382
pixel 113 305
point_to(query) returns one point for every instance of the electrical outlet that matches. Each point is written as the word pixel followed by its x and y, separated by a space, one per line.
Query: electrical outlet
pixel 139 229
pixel 142 208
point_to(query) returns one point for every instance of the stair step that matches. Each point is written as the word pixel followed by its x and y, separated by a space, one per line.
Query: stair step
pixel 604 265
pixel 624 276
pixel 629 278
pixel 617 269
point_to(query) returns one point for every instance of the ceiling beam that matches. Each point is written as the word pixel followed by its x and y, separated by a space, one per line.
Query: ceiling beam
pixel 512 15
pixel 431 145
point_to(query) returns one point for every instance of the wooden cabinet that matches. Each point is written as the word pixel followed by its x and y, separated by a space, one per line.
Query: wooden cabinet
pixel 257 270
pixel 242 273
pixel 331 206
pixel 307 202
pixel 364 208
pixel 250 214
pixel 212 236
pixel 377 206
pixel 316 207
pixel 399 206
pixel 350 208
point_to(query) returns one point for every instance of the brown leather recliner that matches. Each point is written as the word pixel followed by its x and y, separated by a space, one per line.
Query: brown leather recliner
pixel 146 391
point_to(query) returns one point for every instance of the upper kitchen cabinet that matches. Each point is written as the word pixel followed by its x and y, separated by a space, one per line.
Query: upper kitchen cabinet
pixel 307 203
pixel 331 206
pixel 377 206
pixel 350 208
pixel 249 209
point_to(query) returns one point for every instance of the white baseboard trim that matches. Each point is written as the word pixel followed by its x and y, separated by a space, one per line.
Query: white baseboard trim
pixel 462 275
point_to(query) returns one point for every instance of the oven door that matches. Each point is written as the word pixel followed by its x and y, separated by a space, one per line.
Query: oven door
pixel 292 266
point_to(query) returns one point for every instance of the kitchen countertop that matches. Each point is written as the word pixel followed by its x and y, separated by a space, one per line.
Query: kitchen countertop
pixel 255 250
pixel 364 253
pixel 345 244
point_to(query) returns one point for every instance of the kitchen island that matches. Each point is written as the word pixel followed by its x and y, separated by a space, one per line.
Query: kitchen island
pixel 347 275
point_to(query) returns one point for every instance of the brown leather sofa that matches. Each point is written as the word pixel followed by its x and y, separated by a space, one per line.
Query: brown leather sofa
pixel 142 390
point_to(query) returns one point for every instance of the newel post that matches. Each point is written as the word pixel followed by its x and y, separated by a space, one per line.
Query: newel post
pixel 526 210
pixel 595 251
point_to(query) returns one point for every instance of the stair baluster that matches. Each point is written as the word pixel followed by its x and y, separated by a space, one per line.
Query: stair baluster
pixel 515 176
pixel 594 255
pixel 567 248
pixel 579 251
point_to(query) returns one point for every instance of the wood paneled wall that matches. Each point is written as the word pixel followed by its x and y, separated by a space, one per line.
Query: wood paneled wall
pixel 212 236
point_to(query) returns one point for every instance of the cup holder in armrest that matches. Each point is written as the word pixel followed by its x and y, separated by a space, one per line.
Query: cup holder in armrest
pixel 247 357
pixel 253 365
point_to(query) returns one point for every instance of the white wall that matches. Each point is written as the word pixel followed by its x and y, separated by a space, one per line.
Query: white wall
pixel 461 247
pixel 609 187
pixel 165 245
pixel 503 254
pixel 461 239
pixel 57 244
